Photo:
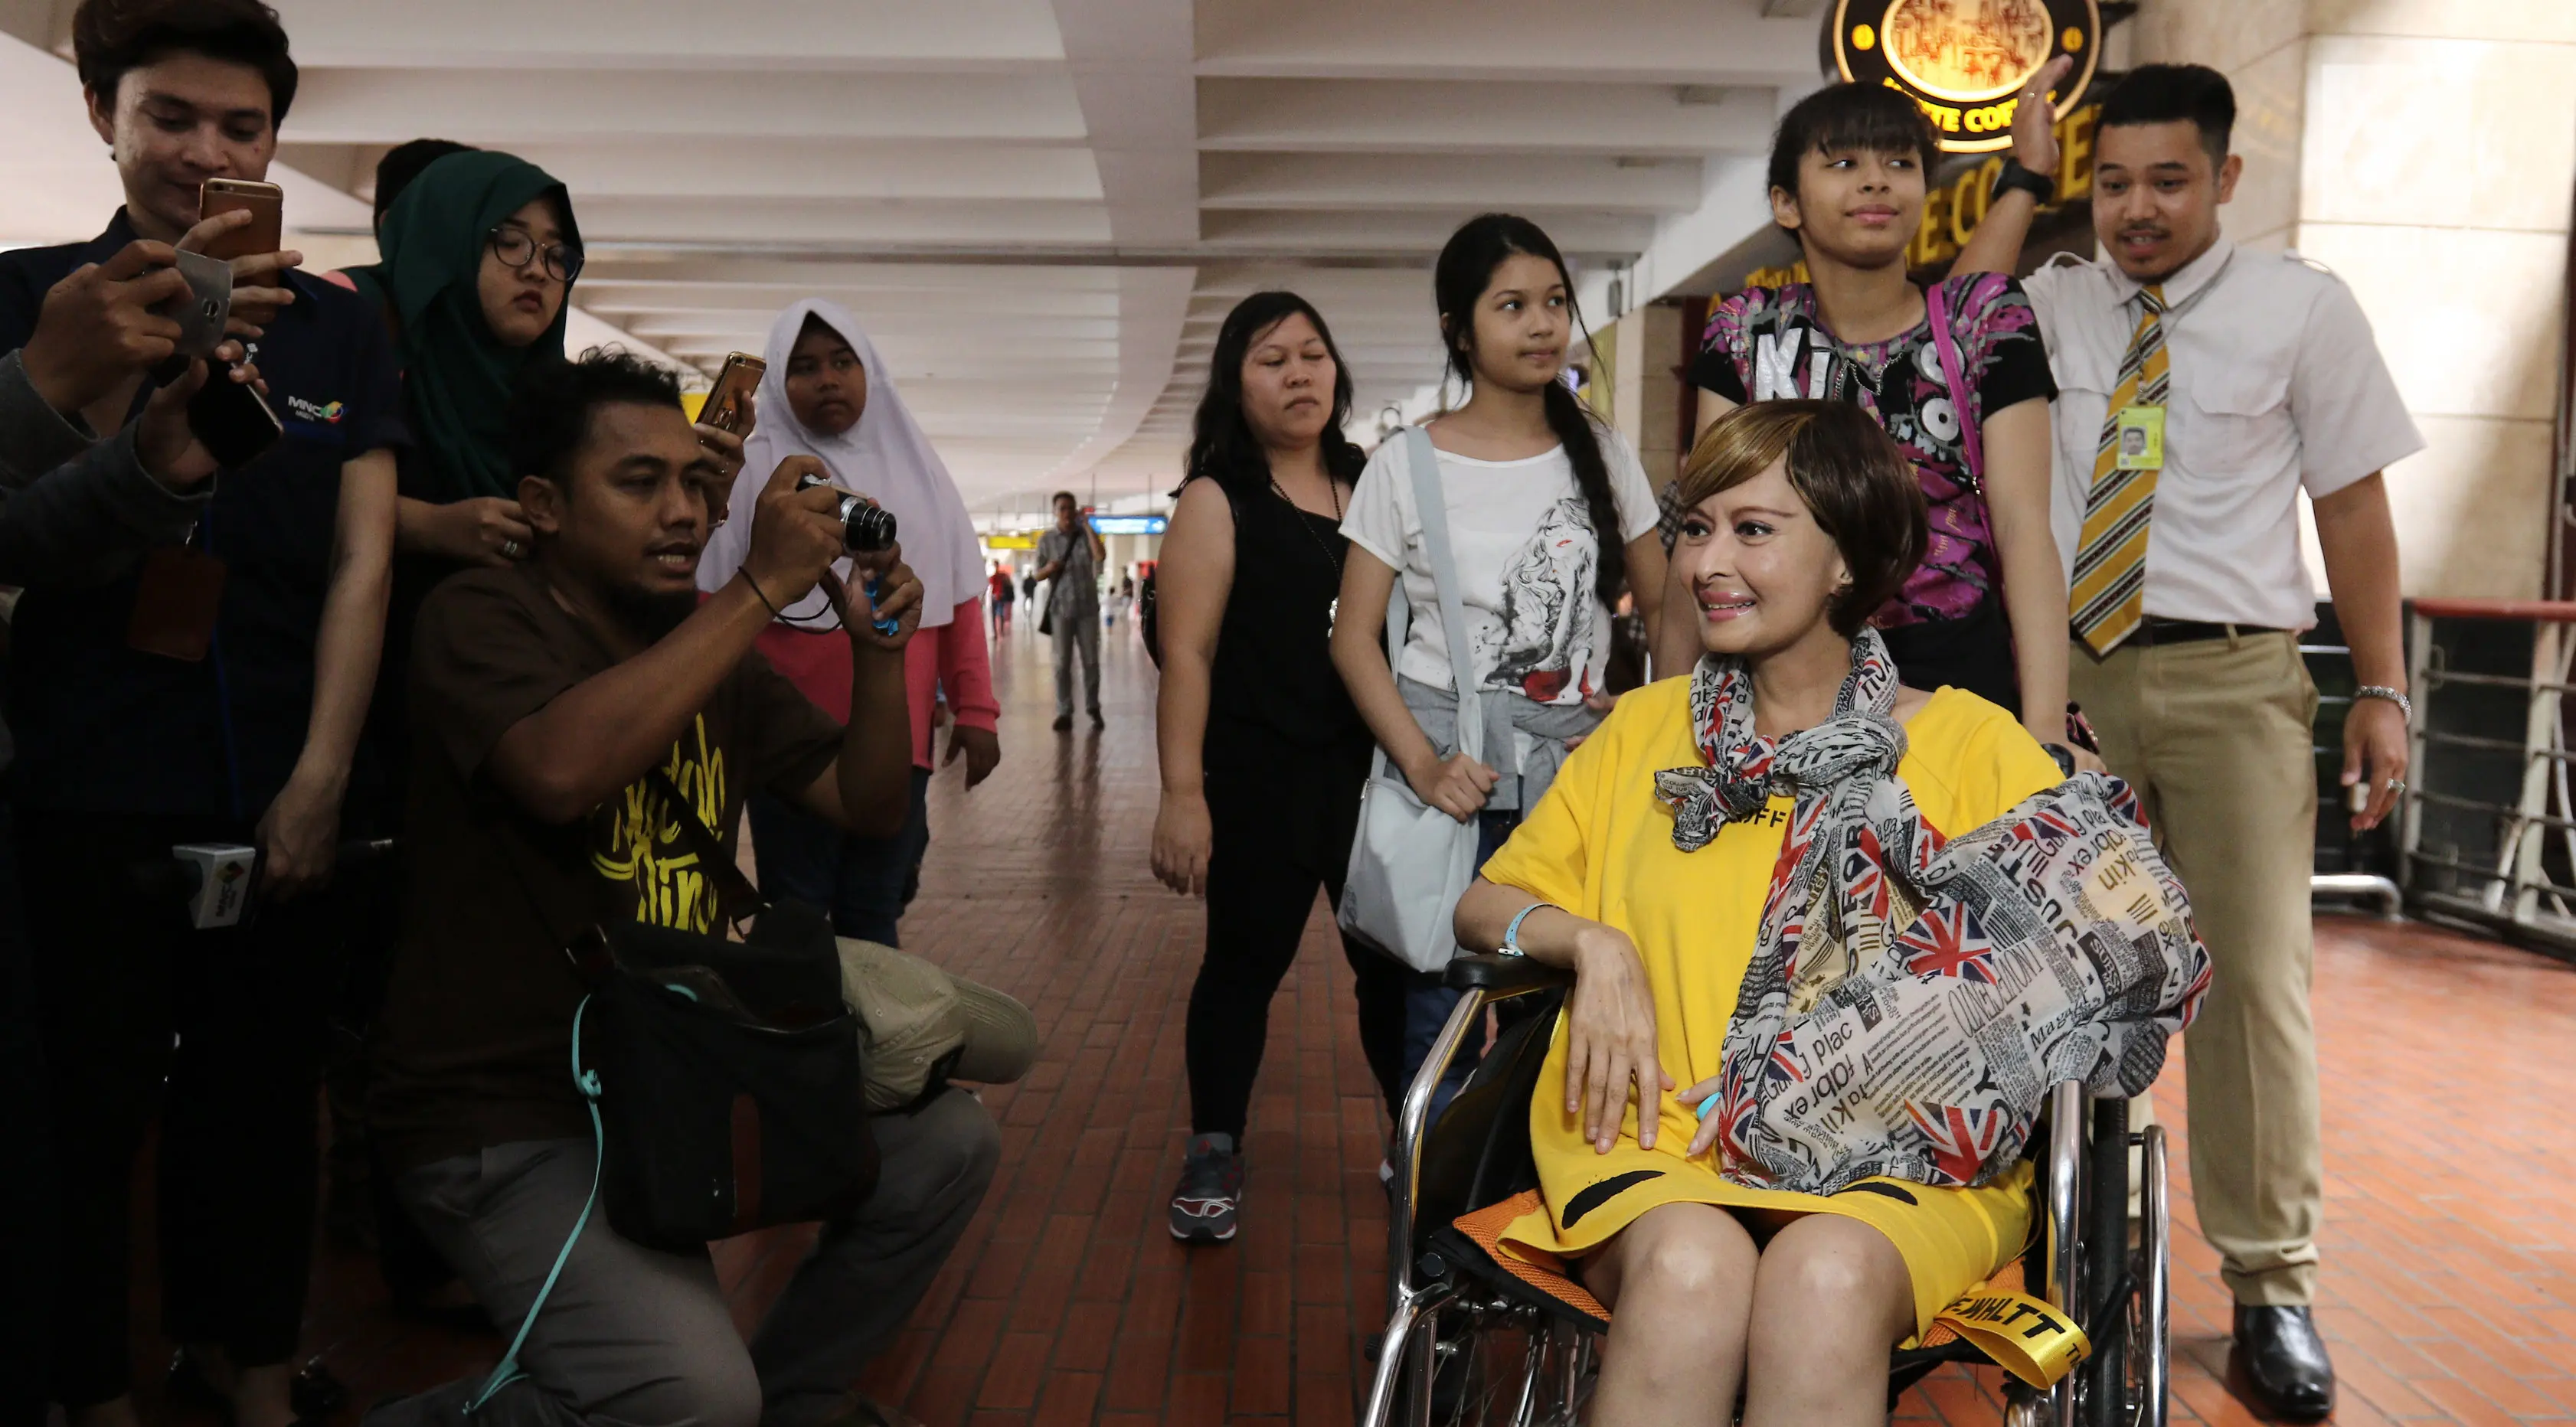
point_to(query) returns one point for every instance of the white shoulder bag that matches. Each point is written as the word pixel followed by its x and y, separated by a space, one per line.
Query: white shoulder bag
pixel 1412 862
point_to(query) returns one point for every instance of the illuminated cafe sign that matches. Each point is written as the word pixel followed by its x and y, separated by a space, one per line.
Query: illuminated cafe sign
pixel 1128 524
pixel 1965 61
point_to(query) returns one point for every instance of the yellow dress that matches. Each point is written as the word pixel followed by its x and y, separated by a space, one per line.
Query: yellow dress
pixel 1600 845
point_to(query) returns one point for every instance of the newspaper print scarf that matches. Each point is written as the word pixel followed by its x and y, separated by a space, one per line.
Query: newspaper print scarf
pixel 1910 1000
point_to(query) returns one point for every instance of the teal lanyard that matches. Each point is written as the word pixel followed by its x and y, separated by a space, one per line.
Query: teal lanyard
pixel 507 1371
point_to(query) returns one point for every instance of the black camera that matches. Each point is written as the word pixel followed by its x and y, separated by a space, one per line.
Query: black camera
pixel 865 528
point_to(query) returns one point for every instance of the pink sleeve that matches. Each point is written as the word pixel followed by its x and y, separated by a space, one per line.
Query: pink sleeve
pixel 950 657
pixel 966 669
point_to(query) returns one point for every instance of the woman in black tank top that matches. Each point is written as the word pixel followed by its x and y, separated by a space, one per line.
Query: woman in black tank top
pixel 1262 752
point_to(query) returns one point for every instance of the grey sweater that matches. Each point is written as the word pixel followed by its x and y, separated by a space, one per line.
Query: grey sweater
pixel 75 510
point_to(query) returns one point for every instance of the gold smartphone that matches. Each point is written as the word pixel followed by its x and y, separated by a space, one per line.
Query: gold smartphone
pixel 734 384
pixel 265 202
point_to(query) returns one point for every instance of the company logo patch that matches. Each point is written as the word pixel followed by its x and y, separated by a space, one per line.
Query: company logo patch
pixel 327 413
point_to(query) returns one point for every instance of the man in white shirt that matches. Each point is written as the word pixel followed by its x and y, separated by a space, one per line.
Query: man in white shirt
pixel 2201 387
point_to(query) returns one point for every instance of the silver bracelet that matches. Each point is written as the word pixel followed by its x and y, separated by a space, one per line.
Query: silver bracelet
pixel 2405 705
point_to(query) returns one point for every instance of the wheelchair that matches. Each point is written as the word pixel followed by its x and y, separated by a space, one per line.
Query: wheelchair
pixel 1475 1339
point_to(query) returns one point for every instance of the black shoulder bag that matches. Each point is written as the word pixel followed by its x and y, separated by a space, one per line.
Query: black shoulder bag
pixel 723 1077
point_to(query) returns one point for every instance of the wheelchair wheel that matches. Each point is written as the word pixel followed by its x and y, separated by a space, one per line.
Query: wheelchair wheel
pixel 2126 1384
pixel 2150 1345
pixel 1492 1363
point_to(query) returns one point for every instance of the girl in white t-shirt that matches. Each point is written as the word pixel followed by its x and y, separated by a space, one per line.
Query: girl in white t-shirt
pixel 1532 482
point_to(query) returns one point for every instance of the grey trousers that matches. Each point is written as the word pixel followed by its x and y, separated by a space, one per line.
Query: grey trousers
pixel 635 1337
pixel 1077 634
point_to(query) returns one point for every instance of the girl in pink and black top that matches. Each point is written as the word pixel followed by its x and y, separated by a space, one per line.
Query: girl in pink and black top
pixel 827 395
pixel 1986 609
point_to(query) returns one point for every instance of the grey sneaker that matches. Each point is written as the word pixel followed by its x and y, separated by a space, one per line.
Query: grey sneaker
pixel 1204 1202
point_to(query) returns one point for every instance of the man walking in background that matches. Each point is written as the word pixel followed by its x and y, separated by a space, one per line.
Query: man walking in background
pixel 1069 559
pixel 2202 386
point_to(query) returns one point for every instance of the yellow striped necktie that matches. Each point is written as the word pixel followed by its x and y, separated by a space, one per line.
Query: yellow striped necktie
pixel 2107 600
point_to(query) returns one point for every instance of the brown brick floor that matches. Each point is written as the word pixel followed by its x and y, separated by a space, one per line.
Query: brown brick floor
pixel 2449 1285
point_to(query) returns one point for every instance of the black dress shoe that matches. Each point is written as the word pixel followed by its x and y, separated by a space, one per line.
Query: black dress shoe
pixel 2281 1363
pixel 1063 722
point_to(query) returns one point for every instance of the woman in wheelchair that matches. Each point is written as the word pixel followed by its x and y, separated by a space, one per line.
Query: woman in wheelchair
pixel 1649 878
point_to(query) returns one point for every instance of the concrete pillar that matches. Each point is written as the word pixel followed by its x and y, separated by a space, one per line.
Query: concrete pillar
pixel 1647 407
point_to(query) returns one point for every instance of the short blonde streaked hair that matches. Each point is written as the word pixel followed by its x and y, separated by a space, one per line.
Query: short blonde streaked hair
pixel 1853 478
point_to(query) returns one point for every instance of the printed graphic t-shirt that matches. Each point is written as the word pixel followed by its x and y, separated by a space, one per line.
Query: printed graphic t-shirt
pixel 475 1041
pixel 1765 343
pixel 1526 555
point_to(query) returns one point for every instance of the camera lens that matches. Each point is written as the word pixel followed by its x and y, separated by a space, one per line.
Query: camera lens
pixel 865 528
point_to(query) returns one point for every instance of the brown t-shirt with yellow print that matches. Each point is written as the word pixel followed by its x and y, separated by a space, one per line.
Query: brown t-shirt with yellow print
pixel 473 1047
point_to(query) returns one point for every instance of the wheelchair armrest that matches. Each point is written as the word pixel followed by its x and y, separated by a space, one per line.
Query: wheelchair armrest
pixel 1499 976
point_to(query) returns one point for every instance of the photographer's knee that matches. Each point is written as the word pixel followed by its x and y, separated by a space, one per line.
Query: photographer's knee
pixel 710 1385
pixel 943 1154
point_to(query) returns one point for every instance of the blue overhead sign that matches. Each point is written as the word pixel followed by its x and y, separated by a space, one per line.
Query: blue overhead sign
pixel 1128 524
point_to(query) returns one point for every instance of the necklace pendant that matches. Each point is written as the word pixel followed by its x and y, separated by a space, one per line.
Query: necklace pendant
pixel 1332 613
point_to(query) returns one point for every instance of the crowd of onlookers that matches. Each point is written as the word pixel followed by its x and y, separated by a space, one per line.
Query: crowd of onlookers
pixel 430 677
pixel 458 658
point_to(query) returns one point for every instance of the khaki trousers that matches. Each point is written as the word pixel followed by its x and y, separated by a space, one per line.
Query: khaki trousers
pixel 2216 737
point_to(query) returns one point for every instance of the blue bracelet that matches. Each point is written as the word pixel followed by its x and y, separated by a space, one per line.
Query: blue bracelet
pixel 887 627
pixel 1512 932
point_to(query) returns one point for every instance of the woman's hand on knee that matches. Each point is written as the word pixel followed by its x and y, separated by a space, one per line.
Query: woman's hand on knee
pixel 1611 1050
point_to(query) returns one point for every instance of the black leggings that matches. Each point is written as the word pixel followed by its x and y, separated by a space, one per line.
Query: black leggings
pixel 1262 880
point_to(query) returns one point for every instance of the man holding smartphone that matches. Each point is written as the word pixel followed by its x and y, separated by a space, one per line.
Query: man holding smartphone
pixel 73 508
pixel 215 694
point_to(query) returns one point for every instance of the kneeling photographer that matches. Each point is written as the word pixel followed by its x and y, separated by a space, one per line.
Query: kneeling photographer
pixel 585 734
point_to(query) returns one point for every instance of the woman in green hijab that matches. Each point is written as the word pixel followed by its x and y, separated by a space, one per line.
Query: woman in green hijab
pixel 480 254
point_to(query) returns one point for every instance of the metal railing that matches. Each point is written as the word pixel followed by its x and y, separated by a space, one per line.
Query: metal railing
pixel 2465 850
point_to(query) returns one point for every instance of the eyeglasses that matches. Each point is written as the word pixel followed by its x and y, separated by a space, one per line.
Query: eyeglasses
pixel 516 249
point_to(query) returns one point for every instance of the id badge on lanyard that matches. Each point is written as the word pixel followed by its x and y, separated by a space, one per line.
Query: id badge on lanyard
pixel 2139 438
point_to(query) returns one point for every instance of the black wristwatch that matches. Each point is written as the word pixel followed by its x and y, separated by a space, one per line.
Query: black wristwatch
pixel 2014 177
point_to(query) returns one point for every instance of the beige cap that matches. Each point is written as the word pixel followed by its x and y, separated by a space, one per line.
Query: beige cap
pixel 915 1014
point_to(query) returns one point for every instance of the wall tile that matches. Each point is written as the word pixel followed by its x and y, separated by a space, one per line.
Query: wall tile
pixel 2224 34
pixel 2515 20
pixel 2271 118
pixel 2463 133
pixel 2472 511
pixel 2468 321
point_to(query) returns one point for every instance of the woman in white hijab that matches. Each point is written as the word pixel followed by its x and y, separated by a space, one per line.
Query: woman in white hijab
pixel 827 395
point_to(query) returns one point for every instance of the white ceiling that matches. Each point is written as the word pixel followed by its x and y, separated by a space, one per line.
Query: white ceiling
pixel 1041 208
